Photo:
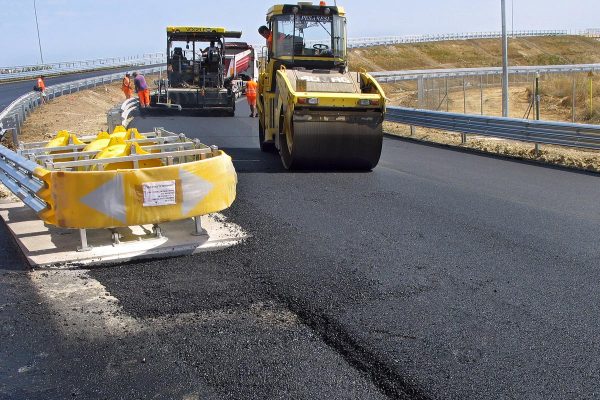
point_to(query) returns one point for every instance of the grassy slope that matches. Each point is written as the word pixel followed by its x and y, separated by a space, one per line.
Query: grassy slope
pixel 477 53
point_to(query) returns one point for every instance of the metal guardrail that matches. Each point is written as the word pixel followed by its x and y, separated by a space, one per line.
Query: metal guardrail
pixel 545 132
pixel 15 114
pixel 397 76
pixel 120 114
pixel 30 71
pixel 17 174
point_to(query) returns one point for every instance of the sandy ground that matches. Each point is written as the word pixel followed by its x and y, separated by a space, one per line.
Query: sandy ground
pixel 81 113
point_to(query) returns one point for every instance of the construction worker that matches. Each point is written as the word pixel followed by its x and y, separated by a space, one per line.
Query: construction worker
pixel 141 88
pixel 267 34
pixel 41 87
pixel 126 86
pixel 251 91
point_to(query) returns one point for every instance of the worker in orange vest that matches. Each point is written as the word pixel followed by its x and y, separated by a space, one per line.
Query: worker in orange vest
pixel 251 91
pixel 268 34
pixel 141 87
pixel 41 87
pixel 126 86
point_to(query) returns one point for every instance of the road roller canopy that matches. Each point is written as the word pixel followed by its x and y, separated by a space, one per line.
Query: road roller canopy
pixel 308 31
pixel 306 8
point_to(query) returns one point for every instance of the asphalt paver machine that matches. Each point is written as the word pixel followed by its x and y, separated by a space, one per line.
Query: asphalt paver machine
pixel 311 109
pixel 197 76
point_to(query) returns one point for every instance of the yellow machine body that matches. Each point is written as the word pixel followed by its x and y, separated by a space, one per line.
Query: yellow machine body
pixel 311 109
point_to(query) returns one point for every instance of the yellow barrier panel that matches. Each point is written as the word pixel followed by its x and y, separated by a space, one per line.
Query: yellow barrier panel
pixel 64 138
pixel 117 147
pixel 99 143
pixel 125 197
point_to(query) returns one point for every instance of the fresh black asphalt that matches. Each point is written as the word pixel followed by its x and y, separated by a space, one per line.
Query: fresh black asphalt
pixel 441 274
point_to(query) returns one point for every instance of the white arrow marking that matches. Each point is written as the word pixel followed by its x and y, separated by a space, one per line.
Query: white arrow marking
pixel 109 199
pixel 194 190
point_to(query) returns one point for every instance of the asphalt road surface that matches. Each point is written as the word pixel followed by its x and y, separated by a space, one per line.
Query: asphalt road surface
pixel 439 275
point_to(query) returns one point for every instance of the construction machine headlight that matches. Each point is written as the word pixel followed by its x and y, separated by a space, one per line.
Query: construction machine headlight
pixel 312 100
pixel 367 102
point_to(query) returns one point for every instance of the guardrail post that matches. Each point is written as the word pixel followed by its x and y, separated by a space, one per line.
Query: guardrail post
pixel 15 138
pixel 17 124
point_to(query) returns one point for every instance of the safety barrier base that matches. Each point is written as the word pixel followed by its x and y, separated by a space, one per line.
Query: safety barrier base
pixel 47 246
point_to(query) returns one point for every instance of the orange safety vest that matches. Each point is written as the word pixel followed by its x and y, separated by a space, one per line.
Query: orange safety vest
pixel 251 87
pixel 41 85
pixel 126 83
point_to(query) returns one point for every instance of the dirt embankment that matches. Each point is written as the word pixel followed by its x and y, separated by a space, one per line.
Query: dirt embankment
pixel 477 53
pixel 556 91
pixel 80 113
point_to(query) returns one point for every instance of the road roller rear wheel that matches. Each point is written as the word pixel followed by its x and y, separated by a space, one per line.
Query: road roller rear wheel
pixel 286 144
pixel 267 147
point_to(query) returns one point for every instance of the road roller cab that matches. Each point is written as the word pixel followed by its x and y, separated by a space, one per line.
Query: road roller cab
pixel 315 112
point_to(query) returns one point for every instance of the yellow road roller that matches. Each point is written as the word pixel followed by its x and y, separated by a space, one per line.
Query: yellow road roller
pixel 311 109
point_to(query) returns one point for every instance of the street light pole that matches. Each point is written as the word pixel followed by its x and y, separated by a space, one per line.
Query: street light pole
pixel 512 17
pixel 38 31
pixel 504 62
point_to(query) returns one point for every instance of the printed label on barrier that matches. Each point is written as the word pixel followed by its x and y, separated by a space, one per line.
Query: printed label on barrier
pixel 159 193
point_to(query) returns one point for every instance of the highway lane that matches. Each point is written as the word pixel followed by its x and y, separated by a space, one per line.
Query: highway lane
pixel 11 91
pixel 441 273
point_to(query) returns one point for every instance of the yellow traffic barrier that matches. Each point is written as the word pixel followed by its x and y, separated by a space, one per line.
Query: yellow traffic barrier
pixel 125 185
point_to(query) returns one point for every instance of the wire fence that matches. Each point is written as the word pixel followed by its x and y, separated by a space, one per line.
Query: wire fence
pixel 567 93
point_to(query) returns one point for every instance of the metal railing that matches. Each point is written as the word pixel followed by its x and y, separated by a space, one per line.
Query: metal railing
pixel 388 40
pixel 30 71
pixel 545 132
pixel 17 174
pixel 397 76
pixel 13 116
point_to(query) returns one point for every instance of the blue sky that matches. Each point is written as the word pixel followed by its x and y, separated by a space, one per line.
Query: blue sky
pixel 83 29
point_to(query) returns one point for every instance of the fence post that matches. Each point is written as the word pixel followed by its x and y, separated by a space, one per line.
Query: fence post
pixel 537 108
pixel 464 96
pixel 591 77
pixel 574 96
pixel 481 92
pixel 447 96
pixel 421 92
